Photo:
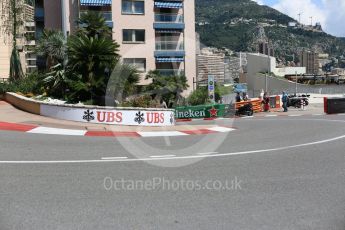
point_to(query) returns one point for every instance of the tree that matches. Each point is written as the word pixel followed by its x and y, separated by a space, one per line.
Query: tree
pixel 92 58
pixel 93 24
pixel 57 80
pixel 198 96
pixel 52 46
pixel 123 82
pixel 11 12
pixel 168 88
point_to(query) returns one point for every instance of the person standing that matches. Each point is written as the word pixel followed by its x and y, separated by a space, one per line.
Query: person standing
pixel 266 102
pixel 285 99
pixel 238 97
pixel 245 96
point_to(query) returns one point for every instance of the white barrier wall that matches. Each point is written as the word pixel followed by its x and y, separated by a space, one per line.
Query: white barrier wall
pixel 121 116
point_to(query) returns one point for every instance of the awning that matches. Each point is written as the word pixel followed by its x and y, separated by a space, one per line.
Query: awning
pixel 170 5
pixel 168 60
pixel 95 2
pixel 169 31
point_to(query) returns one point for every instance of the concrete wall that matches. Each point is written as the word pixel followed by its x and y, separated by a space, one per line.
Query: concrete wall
pixel 259 63
pixel 276 86
pixel 100 115
pixel 282 72
pixel 23 103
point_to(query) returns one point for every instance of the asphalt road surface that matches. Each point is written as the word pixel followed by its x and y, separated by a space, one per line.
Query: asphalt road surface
pixel 270 173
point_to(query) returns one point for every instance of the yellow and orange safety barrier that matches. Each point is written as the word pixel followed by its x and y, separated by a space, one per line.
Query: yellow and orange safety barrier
pixel 257 104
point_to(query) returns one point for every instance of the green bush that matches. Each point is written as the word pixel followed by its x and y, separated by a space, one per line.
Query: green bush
pixel 28 85
pixel 198 96
pixel 4 87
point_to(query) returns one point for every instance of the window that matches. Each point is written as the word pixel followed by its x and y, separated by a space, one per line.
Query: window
pixel 139 63
pixel 133 7
pixel 133 36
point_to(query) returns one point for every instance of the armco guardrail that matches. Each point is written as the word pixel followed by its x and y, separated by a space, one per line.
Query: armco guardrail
pixel 334 105
pixel 95 114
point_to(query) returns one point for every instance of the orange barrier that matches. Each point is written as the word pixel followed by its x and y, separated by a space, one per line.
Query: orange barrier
pixel 275 102
pixel 256 103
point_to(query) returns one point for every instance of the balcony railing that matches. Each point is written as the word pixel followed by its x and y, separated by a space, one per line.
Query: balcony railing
pixel 171 72
pixel 169 18
pixel 169 46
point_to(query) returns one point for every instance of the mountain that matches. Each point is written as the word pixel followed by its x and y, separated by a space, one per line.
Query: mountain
pixel 237 25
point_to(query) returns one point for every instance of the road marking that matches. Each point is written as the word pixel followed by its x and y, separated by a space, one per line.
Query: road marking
pixel 295 115
pixel 163 156
pixel 55 131
pixel 273 115
pixel 221 129
pixel 113 158
pixel 247 117
pixel 209 153
pixel 162 134
pixel 341 114
pixel 174 157
pixel 318 114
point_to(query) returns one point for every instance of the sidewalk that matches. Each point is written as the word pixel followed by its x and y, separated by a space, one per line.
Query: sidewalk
pixel 311 109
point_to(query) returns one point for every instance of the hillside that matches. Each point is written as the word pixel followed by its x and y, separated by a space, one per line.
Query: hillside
pixel 234 24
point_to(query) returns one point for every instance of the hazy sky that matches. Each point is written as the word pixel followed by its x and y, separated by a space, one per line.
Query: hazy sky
pixel 331 13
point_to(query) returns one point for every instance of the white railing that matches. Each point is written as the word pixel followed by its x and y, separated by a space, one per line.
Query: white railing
pixel 170 72
pixel 177 46
pixel 169 18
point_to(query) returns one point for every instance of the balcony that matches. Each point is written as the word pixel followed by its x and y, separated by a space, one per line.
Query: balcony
pixel 171 72
pixel 169 21
pixel 30 24
pixel 169 49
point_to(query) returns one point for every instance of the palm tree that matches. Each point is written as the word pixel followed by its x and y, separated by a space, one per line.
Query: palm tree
pixel 52 46
pixel 168 88
pixel 57 80
pixel 16 70
pixel 92 58
pixel 123 82
pixel 93 24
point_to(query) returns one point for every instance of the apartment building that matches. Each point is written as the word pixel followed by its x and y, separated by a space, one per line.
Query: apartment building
pixel 5 53
pixel 310 60
pixel 209 63
pixel 25 42
pixel 153 34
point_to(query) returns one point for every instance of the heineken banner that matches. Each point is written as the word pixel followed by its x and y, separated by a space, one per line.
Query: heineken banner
pixel 202 111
